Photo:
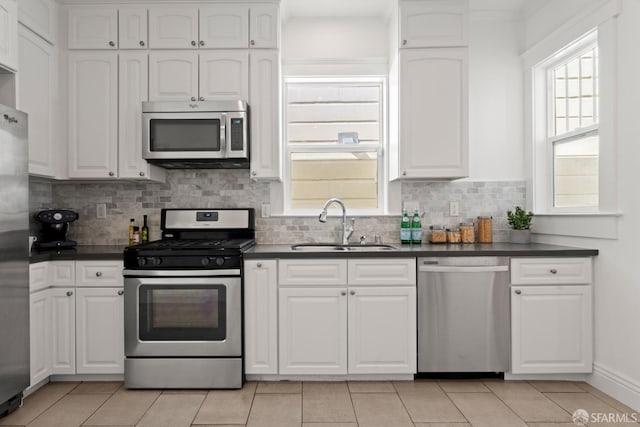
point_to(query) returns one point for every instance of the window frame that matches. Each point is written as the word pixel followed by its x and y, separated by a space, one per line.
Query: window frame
pixel 380 149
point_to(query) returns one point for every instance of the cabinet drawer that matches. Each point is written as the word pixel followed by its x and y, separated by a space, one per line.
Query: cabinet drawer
pixel 99 273
pixel 62 273
pixel 552 271
pixel 332 272
pixel 382 271
pixel 38 276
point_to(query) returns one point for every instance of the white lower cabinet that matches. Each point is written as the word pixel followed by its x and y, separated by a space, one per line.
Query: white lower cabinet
pixel 99 331
pixel 63 335
pixel 39 339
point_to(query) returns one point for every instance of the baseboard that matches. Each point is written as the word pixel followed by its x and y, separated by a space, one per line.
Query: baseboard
pixel 616 385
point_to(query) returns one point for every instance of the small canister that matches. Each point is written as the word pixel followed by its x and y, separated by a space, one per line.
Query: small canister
pixel 438 234
pixel 467 232
pixel 453 236
pixel 485 229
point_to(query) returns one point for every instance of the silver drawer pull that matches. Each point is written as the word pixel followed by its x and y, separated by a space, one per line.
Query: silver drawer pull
pixel 98 273
pixel 259 265
pixel 553 271
pixel 121 292
pixel 69 293
pixel 343 293
pixel 352 292
pixel 518 292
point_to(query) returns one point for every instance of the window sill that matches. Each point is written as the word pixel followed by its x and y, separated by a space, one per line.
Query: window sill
pixel 597 225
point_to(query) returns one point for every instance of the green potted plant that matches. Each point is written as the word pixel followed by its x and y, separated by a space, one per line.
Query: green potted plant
pixel 520 223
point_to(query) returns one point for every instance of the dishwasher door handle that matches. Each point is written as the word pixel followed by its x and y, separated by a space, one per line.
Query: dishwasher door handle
pixel 462 269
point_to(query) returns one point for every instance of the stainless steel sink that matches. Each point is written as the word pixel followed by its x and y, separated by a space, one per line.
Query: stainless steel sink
pixel 331 247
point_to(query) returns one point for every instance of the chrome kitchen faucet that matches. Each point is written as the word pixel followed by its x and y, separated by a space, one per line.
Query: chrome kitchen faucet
pixel 347 230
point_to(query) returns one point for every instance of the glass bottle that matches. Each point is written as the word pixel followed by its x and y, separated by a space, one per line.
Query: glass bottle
pixel 131 224
pixel 416 228
pixel 405 227
pixel 136 235
pixel 144 232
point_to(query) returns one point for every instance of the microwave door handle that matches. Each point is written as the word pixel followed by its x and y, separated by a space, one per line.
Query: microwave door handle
pixel 223 136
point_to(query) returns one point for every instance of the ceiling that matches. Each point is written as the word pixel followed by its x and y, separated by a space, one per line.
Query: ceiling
pixel 382 8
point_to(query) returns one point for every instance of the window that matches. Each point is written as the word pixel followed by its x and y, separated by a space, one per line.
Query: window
pixel 573 131
pixel 334 139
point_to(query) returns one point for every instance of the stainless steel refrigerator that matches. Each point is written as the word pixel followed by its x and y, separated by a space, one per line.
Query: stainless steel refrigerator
pixel 14 258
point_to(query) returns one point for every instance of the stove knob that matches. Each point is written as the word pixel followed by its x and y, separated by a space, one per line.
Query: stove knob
pixel 205 261
pixel 219 260
pixel 142 261
pixel 156 261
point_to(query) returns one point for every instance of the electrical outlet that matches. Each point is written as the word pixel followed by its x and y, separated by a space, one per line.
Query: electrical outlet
pixel 266 210
pixel 101 210
pixel 454 209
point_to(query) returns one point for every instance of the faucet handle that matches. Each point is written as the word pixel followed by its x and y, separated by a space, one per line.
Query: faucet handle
pixel 363 240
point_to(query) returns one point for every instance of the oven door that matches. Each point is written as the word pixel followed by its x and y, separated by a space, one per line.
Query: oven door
pixel 183 316
pixel 184 135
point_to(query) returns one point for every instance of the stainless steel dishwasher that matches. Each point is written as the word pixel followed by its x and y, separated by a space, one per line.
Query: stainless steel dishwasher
pixel 463 314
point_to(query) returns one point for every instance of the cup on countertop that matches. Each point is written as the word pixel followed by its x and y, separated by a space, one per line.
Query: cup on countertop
pixel 32 240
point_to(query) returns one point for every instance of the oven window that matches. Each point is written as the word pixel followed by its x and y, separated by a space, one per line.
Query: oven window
pixel 182 313
pixel 185 134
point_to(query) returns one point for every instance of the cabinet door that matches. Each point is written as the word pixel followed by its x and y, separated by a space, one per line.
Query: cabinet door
pixel 133 89
pixel 40 16
pixel 37 88
pixel 173 27
pixel 99 273
pixel 264 24
pixel 433 113
pixel 93 115
pixel 313 331
pixel 224 75
pixel 173 76
pixel 224 27
pixel 132 28
pixel 92 27
pixel 40 335
pixel 63 331
pixel 551 329
pixel 438 23
pixel 100 331
pixel 261 317
pixel 264 101
pixel 9 34
pixel 382 330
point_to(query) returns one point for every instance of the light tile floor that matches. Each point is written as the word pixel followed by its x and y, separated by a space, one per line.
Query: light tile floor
pixel 420 403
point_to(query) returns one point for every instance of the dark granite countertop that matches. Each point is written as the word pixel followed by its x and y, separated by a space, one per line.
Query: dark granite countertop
pixel 106 253
pixel 426 250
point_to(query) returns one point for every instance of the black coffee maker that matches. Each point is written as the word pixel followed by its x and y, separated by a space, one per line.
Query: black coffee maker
pixel 55 223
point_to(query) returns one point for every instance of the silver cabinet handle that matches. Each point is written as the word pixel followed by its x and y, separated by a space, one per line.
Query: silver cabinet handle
pixel 352 292
pixel 193 43
pixel 98 273
pixel 254 173
pixel 404 42
pixel 343 293
pixel 193 98
pixel 201 98
pixel 201 42
pixel 112 44
pixel 259 265
pixel 141 173
pixel 120 292
pixel 404 173
pixel 518 291
pixel 253 42
pixel 553 271
pixel 69 293
pixel 141 42
pixel 111 174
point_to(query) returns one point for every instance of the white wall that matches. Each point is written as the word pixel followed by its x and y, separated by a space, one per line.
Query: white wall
pixel 496 148
pixel 617 277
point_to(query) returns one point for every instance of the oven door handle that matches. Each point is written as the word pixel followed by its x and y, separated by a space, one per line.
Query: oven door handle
pixel 181 273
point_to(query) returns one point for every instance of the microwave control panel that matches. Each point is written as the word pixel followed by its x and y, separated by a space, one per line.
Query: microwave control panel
pixel 237 134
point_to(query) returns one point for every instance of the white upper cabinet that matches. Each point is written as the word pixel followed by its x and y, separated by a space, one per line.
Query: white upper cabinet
pixel 433 113
pixel 93 115
pixel 224 75
pixel 173 27
pixel 173 76
pixel 92 27
pixel 37 95
pixel 433 23
pixel 40 16
pixel 224 26
pixel 264 24
pixel 132 28
pixel 9 34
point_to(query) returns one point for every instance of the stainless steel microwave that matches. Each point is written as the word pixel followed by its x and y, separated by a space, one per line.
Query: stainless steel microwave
pixel 210 134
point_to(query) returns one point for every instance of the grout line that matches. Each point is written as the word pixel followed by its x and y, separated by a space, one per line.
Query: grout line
pixel 453 402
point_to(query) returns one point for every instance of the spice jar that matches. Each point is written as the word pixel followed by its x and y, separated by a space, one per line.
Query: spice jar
pixel 485 229
pixel 438 234
pixel 453 236
pixel 467 233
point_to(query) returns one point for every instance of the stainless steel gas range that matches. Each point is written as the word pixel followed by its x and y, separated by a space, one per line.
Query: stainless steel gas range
pixel 183 301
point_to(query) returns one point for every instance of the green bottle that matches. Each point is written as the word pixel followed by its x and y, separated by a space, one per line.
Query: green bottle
pixel 416 228
pixel 405 227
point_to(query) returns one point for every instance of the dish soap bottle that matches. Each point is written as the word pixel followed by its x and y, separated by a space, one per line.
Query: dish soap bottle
pixel 405 227
pixel 144 232
pixel 416 228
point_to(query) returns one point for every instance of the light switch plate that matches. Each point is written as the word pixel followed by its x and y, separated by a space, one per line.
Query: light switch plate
pixel 101 210
pixel 266 210
pixel 454 209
